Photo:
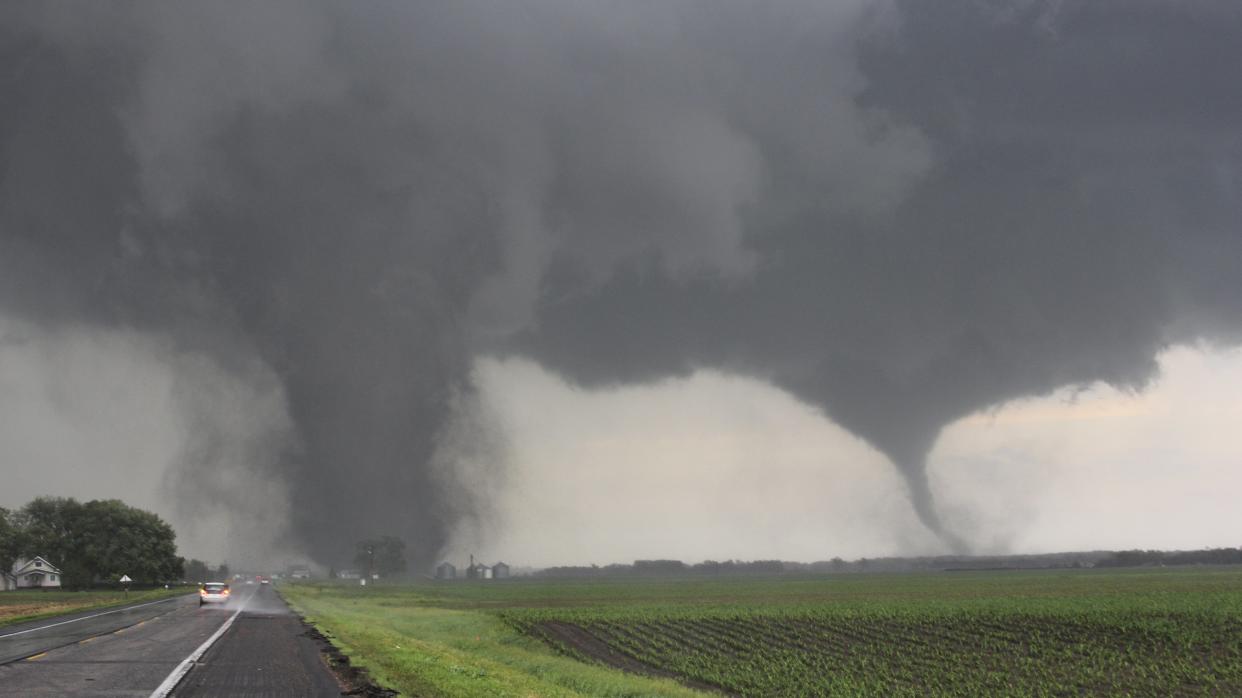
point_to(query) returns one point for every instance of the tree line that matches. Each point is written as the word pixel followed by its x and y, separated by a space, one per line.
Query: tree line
pixel 660 568
pixel 384 556
pixel 1150 558
pixel 198 571
pixel 91 542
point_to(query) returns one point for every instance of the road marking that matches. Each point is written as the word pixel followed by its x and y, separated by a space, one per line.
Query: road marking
pixel 33 657
pixel 74 620
pixel 171 681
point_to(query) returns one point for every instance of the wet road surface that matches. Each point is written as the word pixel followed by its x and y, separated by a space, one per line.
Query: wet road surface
pixel 264 652
pixel 24 639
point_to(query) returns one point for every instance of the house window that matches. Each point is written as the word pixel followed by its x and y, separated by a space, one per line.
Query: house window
pixel 38 563
pixel 53 577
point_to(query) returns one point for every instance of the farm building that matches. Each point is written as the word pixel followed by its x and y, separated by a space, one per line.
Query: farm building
pixel 35 573
pixel 478 570
pixel 500 570
pixel 446 571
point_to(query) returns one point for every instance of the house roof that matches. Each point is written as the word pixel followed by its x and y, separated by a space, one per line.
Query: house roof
pixel 23 566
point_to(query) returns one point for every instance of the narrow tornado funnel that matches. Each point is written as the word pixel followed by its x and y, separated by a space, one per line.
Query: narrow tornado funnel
pixel 925 506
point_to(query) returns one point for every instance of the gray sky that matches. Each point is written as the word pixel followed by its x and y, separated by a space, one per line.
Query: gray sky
pixel 314 250
pixel 716 467
pixel 711 466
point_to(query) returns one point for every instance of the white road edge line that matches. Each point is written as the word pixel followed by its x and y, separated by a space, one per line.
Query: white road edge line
pixel 171 681
pixel 74 620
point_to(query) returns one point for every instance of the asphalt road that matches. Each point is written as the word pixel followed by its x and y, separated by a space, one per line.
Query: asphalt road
pixel 264 651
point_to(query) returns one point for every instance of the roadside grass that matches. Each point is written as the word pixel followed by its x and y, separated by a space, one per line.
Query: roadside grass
pixel 423 650
pixel 32 604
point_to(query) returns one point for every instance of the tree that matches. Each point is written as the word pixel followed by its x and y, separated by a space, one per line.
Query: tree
pixel 49 526
pixel 99 540
pixel 222 573
pixel 12 543
pixel 197 571
pixel 114 539
pixel 384 556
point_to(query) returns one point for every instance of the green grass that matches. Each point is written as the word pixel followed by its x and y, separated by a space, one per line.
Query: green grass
pixel 1129 632
pixel 31 604
pixel 410 644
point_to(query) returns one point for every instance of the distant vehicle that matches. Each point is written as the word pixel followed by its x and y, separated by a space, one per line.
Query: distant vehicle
pixel 250 582
pixel 213 592
pixel 264 580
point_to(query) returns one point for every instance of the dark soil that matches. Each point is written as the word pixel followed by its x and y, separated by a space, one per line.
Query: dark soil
pixel 354 680
pixel 580 641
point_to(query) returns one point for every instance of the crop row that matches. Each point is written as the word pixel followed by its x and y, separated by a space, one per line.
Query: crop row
pixel 814 652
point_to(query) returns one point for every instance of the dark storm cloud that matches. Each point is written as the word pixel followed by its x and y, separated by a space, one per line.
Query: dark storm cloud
pixel 1081 214
pixel 201 172
pixel 901 214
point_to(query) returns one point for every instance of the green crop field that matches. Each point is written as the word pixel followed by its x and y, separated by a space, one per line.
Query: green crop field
pixel 1132 632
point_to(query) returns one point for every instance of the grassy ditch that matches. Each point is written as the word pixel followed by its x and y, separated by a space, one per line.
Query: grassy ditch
pixel 409 643
pixel 31 604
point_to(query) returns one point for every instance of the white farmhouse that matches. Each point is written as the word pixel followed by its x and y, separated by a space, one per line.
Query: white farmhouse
pixel 36 573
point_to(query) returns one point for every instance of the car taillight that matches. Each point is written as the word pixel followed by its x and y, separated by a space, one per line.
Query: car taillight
pixel 202 592
pixel 225 592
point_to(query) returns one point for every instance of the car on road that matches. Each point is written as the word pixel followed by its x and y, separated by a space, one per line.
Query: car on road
pixel 213 592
